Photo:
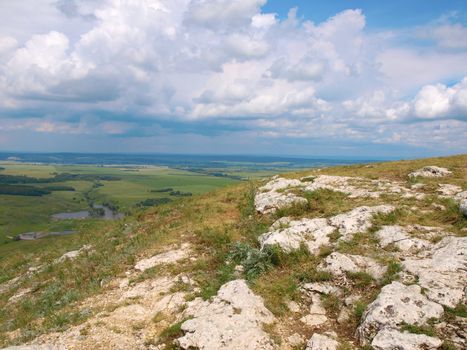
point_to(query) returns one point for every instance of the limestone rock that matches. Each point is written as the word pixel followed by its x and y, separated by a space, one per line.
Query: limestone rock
pixel 325 288
pixel 396 304
pixel 359 187
pixel 430 171
pixel 401 239
pixel 295 340
pixel 463 207
pixel 442 271
pixel 358 219
pixel 391 339
pixel 449 190
pixel 339 264
pixel 269 202
pixel 311 232
pixel 321 342
pixel 72 254
pixel 279 183
pixel 169 257
pixel 232 320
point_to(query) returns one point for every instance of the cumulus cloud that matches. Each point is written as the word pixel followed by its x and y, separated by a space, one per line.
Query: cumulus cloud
pixel 227 62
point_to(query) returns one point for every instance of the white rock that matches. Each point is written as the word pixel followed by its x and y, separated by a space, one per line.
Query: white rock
pixel 72 254
pixel 358 219
pixel 317 315
pixel 359 187
pixel 321 342
pixel 325 288
pixel 313 233
pixel 391 339
pixel 430 171
pixel 339 264
pixel 396 304
pixel 463 207
pixel 169 257
pixel 442 271
pixel 279 183
pixel 232 320
pixel 269 202
pixel 449 190
pixel 295 340
pixel 401 239
pixel 281 223
pixel 293 306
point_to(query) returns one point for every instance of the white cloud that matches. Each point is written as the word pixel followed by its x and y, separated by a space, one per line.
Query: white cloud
pixel 226 60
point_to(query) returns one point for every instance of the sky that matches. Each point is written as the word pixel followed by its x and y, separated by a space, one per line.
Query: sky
pixel 298 77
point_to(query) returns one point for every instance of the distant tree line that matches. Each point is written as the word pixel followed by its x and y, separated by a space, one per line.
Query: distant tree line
pixel 23 190
pixel 168 189
pixel 63 177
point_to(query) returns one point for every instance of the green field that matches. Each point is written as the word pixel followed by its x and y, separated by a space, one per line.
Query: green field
pixel 20 214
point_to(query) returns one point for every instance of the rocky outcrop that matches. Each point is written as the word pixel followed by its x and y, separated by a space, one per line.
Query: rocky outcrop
pixel 442 270
pixel 169 257
pixel 355 187
pixel 358 219
pixel 391 339
pixel 340 264
pixel 313 233
pixel 400 238
pixel 321 342
pixel 73 254
pixel 395 305
pixel 232 320
pixel 430 171
pixel 274 195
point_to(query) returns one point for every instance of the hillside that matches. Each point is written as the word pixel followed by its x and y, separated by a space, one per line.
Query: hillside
pixel 361 256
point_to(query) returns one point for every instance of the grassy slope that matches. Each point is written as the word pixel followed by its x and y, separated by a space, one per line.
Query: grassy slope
pixel 215 223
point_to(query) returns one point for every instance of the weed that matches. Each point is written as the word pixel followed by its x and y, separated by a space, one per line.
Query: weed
pixel 416 329
pixel 361 279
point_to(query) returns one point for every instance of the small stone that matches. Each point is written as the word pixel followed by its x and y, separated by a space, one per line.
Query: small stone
pixel 293 306
pixel 295 340
pixel 321 342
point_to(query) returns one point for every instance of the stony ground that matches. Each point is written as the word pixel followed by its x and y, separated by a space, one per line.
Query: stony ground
pixel 369 257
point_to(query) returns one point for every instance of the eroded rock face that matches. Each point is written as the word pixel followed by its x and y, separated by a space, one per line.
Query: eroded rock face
pixel 339 264
pixel 358 219
pixel 430 171
pixel 391 339
pixel 396 304
pixel 279 183
pixel 400 238
pixel 169 257
pixel 442 271
pixel 313 233
pixel 232 320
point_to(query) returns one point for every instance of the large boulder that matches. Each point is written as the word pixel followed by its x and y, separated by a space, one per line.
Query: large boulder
pixel 313 233
pixel 232 320
pixel 269 202
pixel 395 305
pixel 392 339
pixel 442 271
pixel 430 171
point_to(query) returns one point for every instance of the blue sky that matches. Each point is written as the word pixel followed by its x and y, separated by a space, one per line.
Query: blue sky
pixel 305 78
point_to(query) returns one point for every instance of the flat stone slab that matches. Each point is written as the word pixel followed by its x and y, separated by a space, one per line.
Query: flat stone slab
pixel 442 271
pixel 397 304
pixel 431 171
pixel 339 264
pixel 169 257
pixel 391 339
pixel 232 320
